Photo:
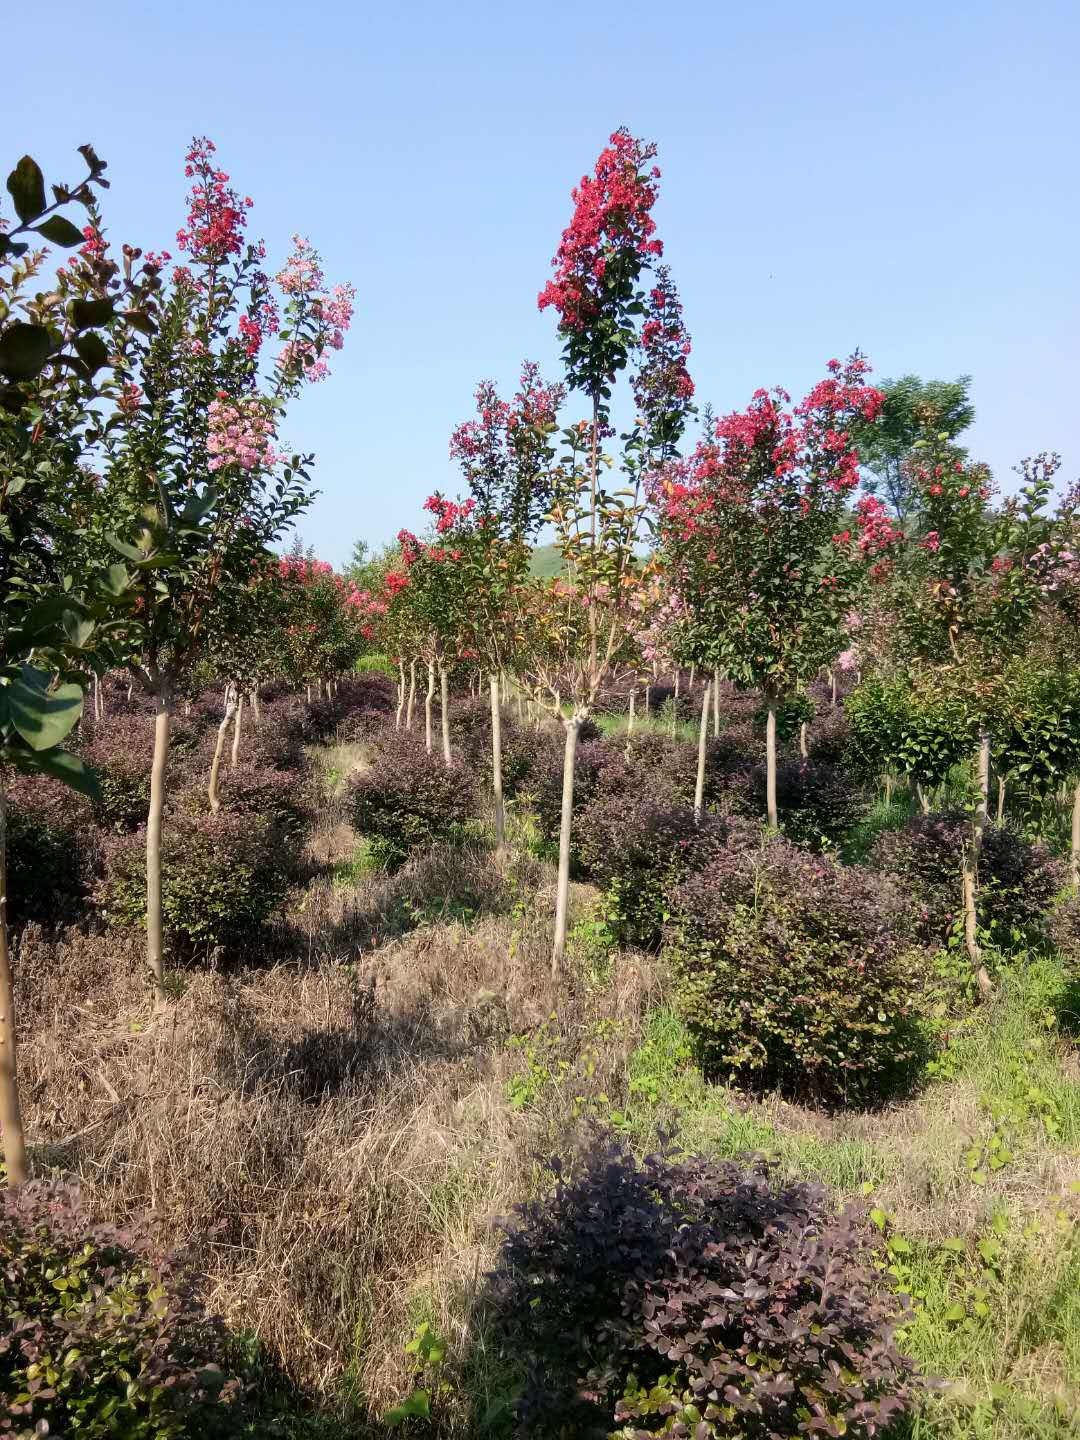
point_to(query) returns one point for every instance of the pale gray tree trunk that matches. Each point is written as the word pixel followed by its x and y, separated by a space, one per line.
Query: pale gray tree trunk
pixel 11 1122
pixel 770 760
pixel 716 701
pixel 804 750
pixel 703 736
pixel 444 698
pixel 219 750
pixel 562 893
pixel 428 698
pixel 496 762
pixel 412 695
pixel 155 940
pixel 970 872
pixel 1074 854
pixel 237 727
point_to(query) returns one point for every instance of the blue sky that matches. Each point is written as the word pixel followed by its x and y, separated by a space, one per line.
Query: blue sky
pixel 902 179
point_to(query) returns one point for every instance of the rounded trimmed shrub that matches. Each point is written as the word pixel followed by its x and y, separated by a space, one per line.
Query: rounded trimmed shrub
pixel 817 804
pixel 692 1298
pixel 409 798
pixel 223 877
pixel 103 1335
pixel 1019 879
pixel 52 852
pixel 791 972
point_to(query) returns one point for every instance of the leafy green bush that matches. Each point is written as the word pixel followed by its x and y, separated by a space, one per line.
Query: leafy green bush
pixel 379 664
pixel 918 732
pixel 817 804
pixel 696 1299
pixel 103 1335
pixel 223 876
pixel 410 798
pixel 790 971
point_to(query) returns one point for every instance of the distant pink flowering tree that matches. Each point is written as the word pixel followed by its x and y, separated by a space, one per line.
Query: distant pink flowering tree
pixel 197 488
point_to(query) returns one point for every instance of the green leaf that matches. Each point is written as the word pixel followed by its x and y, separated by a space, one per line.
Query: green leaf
pixel 954 1313
pixel 78 627
pixel 60 231
pixel 115 580
pixel 88 313
pixel 26 186
pixel 139 320
pixel 128 551
pixel 40 715
pixel 24 349
pixel 92 350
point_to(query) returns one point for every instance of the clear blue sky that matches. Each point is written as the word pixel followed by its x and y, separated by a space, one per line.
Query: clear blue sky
pixel 902 178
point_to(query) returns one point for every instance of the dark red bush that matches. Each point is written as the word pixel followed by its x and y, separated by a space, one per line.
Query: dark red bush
pixel 409 798
pixel 53 854
pixel 694 1299
pixel 791 971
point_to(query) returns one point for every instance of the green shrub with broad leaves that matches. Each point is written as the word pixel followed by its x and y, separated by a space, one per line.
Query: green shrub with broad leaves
pixel 103 1335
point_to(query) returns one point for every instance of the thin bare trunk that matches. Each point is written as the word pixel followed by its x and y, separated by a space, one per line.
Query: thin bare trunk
pixel 693 670
pixel 703 736
pixel 496 762
pixel 803 748
pixel 238 727
pixel 412 695
pixel 428 698
pixel 1074 856
pixel 677 677
pixel 832 682
pixel 400 694
pixel 770 761
pixel 716 701
pixel 255 707
pixel 444 706
pixel 155 942
pixel 888 787
pixel 1001 800
pixel 924 798
pixel 11 1124
pixel 131 687
pixel 562 894
pixel 630 720
pixel 309 694
pixel 970 874
pixel 647 689
pixel 219 750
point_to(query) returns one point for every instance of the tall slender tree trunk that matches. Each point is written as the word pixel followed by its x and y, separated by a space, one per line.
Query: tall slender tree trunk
pixel 496 762
pixel 255 708
pixel 630 720
pixel 428 698
pixel 11 1123
pixel 703 736
pixel 219 750
pixel 924 798
pixel 237 727
pixel 770 760
pixel 678 676
pixel 1001 800
pixel 444 706
pixel 309 694
pixel 832 682
pixel 888 787
pixel 400 695
pixel 412 695
pixel 804 750
pixel 693 672
pixel 716 701
pixel 647 689
pixel 1074 855
pixel 970 872
pixel 562 893
pixel 155 940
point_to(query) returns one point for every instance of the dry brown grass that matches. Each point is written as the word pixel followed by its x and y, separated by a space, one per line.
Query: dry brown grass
pixel 330 1133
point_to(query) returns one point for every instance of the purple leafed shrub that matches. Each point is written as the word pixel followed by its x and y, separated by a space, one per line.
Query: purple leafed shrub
pixel 817 804
pixel 52 851
pixel 1018 880
pixel 102 1334
pixel 409 798
pixel 223 877
pixel 791 972
pixel 544 783
pixel 120 749
pixel 640 845
pixel 828 735
pixel 696 1299
pixel 360 705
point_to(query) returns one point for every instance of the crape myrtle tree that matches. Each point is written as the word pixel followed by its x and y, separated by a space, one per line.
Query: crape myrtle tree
pixel 755 531
pixel 506 456
pixel 55 621
pixel 976 580
pixel 605 319
pixel 436 597
pixel 195 454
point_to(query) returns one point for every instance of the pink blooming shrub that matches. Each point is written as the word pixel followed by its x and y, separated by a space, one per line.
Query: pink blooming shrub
pixel 240 432
pixel 216 218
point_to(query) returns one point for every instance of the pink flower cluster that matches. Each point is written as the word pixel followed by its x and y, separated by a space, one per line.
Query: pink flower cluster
pixel 216 218
pixel 241 432
pixel 447 514
pixel 878 532
pixel 612 215
pixel 302 280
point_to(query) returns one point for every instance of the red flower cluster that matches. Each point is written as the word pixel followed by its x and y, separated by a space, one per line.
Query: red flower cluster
pixel 878 532
pixel 216 217
pixel 612 217
pixel 662 386
pixel 446 513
